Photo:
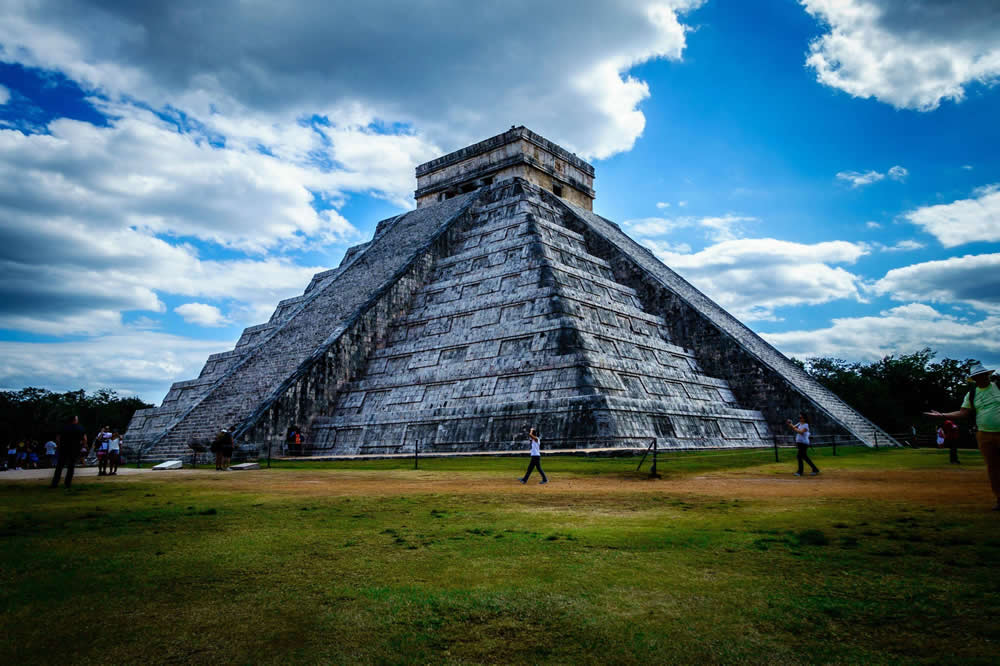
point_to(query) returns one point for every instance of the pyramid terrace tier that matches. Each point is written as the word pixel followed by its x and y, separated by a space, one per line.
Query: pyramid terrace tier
pixel 580 422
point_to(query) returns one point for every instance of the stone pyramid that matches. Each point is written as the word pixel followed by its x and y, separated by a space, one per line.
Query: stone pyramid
pixel 501 302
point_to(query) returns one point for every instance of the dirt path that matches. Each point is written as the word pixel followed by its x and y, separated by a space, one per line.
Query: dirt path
pixel 962 486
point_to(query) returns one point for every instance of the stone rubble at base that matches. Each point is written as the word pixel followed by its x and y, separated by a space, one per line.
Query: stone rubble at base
pixel 467 320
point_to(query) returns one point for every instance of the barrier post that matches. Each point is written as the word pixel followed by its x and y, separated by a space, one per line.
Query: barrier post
pixel 653 473
pixel 776 450
pixel 416 454
pixel 269 454
pixel 644 454
pixel 835 444
pixel 875 433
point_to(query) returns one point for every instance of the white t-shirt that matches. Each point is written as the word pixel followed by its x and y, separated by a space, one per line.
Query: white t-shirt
pixel 536 445
pixel 50 448
pixel 114 444
pixel 802 437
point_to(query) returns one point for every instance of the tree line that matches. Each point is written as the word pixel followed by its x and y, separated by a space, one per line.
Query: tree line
pixel 894 392
pixel 38 414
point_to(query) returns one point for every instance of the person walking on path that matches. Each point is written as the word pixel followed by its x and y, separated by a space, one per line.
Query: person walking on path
pixel 802 443
pixel 536 457
pixel 983 401
pixel 71 439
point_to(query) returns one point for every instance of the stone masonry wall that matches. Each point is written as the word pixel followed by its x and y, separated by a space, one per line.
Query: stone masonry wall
pixel 760 376
pixel 312 390
pixel 305 332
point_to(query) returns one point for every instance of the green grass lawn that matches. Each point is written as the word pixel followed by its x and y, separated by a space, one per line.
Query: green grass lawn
pixel 291 565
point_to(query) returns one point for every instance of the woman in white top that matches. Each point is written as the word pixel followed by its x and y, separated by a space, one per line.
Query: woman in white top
pixel 802 443
pixel 536 457
pixel 114 452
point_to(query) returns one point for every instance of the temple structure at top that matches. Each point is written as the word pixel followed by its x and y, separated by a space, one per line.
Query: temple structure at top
pixel 517 153
pixel 501 302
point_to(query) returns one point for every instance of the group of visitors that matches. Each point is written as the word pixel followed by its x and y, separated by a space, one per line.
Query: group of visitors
pixel 104 451
pixel 108 450
pixel 294 441
pixel 29 454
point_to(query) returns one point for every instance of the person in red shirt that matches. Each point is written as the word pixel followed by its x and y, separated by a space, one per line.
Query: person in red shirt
pixel 951 434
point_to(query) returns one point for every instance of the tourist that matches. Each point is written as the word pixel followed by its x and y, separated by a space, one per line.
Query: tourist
pixel 114 453
pixel 951 437
pixel 536 457
pixel 22 456
pixel 101 450
pixel 292 440
pixel 71 439
pixel 50 452
pixel 12 456
pixel 983 401
pixel 940 437
pixel 222 447
pixel 33 458
pixel 802 444
pixel 227 450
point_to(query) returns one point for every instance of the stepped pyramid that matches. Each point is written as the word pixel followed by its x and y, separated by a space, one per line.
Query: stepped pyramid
pixel 501 302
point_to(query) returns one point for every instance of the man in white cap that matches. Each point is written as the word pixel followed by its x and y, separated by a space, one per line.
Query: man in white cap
pixel 983 401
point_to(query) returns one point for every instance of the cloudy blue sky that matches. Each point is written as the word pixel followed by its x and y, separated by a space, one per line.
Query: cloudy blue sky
pixel 829 170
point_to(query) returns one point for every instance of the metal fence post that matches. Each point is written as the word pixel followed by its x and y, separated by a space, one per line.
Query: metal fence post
pixel 776 450
pixel 269 454
pixel 416 454
pixel 653 473
pixel 875 433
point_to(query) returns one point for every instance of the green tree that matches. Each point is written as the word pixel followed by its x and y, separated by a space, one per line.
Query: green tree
pixel 36 413
pixel 895 391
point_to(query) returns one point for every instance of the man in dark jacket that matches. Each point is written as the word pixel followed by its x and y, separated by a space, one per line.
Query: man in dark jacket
pixel 71 439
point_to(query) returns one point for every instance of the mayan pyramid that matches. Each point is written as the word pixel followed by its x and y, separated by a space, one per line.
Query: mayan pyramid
pixel 501 301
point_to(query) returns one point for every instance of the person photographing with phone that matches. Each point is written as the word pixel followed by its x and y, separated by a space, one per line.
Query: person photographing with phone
pixel 535 442
pixel 802 443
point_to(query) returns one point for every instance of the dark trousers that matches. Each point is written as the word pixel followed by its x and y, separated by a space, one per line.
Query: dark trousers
pixel 67 459
pixel 803 456
pixel 536 463
pixel 953 451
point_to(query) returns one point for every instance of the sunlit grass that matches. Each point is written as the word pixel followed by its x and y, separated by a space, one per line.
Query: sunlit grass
pixel 216 567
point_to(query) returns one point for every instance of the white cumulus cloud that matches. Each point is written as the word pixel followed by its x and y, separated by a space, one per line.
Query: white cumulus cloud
pixel 860 179
pixel 4 95
pixel 971 279
pixel 754 277
pixel 717 228
pixel 201 314
pixel 962 221
pixel 120 359
pixel 911 54
pixel 904 329
pixel 455 70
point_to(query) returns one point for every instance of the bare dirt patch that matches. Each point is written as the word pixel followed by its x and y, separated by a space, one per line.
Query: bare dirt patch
pixel 957 487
